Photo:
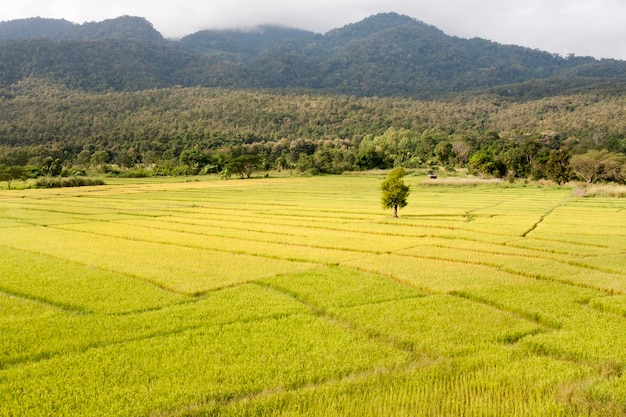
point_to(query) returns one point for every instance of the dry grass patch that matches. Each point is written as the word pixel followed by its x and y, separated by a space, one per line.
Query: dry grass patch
pixel 606 190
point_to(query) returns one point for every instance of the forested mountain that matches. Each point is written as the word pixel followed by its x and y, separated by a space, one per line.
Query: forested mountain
pixel 125 27
pixel 244 45
pixel 96 65
pixel 387 91
pixel 384 55
pixel 34 28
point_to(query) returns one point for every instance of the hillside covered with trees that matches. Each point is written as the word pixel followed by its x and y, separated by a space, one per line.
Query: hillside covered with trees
pixel 196 130
pixel 384 55
pixel 388 91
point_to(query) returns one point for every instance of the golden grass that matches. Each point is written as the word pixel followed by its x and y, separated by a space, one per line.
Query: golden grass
pixel 434 275
pixel 176 268
pixel 302 296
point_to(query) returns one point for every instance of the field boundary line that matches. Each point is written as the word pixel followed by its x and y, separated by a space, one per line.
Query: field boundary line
pixel 67 308
pixel 398 280
pixel 371 232
pixel 569 242
pixel 338 321
pixel 154 335
pixel 112 271
pixel 303 245
pixel 234 252
pixel 413 236
pixel 214 405
pixel 190 223
pixel 550 258
pixel 534 317
pixel 462 294
pixel 501 268
pixel 543 217
pixel 454 293
pixel 605 309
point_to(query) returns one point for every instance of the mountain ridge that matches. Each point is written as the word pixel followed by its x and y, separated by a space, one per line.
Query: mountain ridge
pixel 123 27
pixel 383 55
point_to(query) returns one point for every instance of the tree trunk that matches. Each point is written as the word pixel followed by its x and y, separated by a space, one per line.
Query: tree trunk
pixel 395 211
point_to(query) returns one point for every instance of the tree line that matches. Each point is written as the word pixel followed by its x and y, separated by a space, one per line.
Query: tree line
pixel 50 130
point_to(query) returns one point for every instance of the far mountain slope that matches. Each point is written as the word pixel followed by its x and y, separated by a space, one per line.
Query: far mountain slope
pixel 383 55
pixel 124 27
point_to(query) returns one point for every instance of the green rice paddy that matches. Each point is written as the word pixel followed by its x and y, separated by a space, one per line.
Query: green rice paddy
pixel 303 297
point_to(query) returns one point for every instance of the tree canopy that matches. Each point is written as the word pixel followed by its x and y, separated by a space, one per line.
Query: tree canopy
pixel 11 173
pixel 383 55
pixel 395 191
pixel 194 131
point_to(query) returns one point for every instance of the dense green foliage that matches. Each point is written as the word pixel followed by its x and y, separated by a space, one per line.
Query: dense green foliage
pixel 97 65
pixel 46 182
pixel 195 130
pixel 395 191
pixel 291 296
pixel 558 167
pixel 125 27
pixel 384 55
pixel 12 173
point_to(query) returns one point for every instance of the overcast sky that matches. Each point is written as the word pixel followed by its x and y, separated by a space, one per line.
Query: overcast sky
pixel 582 27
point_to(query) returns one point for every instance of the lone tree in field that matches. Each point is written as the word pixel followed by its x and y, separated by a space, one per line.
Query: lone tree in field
pixel 395 191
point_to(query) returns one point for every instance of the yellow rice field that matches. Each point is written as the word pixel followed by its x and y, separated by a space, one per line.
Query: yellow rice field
pixel 303 297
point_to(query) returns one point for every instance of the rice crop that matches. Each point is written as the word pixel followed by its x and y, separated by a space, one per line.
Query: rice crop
pixel 435 275
pixel 175 268
pixel 33 331
pixel 302 296
pixel 77 287
pixel 615 304
pixel 190 367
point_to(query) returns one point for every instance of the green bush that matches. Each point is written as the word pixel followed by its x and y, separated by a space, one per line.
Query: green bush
pixel 47 182
pixel 137 173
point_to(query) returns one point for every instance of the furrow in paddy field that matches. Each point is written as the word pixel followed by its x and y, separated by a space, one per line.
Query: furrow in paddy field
pixel 64 331
pixel 77 286
pixel 291 352
pixel 562 271
pixel 184 270
pixel 268 248
pixel 296 297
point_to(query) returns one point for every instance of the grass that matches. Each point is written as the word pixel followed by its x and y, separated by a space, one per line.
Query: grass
pixel 84 288
pixel 606 190
pixel 301 296
pixel 172 267
pixel 190 367
pixel 44 331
